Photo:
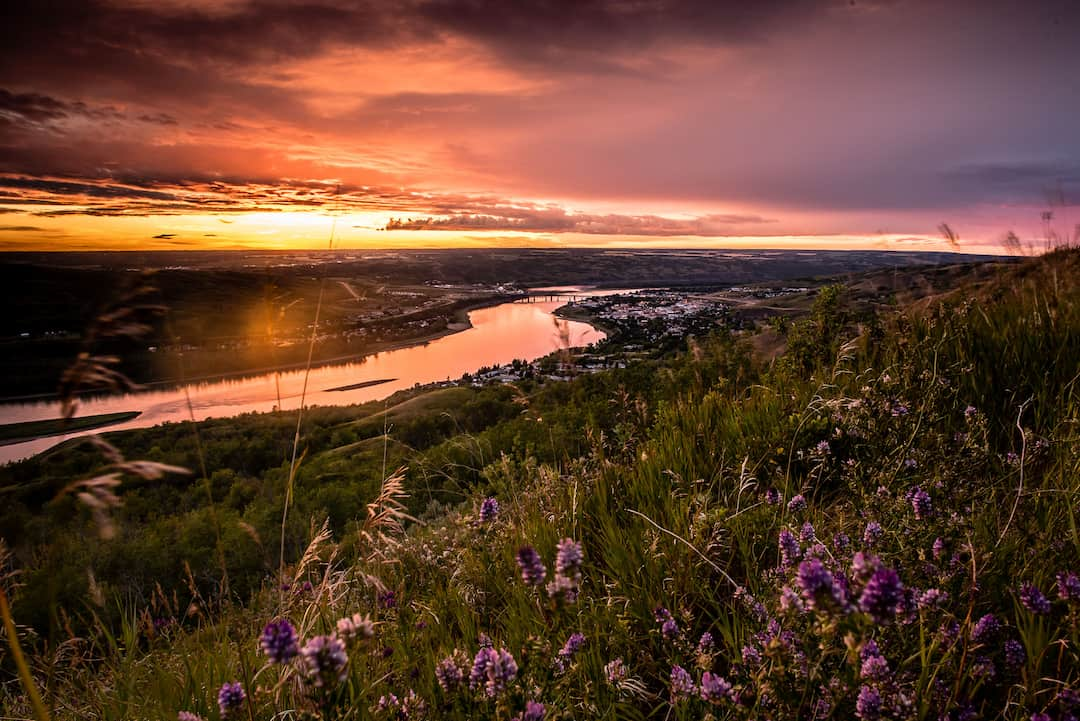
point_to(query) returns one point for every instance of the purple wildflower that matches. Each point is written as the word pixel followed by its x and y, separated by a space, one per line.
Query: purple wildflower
pixel 931 598
pixel 970 412
pixel 938 548
pixel 751 656
pixel 615 671
pixel 872 533
pixel 449 673
pixel 325 659
pixel 188 716
pixel 278 641
pixel 822 448
pixel 533 712
pixel 571 647
pixel 874 666
pixel 772 497
pixel 1015 655
pixel 1040 717
pixel 816 583
pixel 921 504
pixel 868 704
pixel 387 599
pixel 807 534
pixel 899 409
pixel 841 542
pixel 911 463
pixel 682 685
pixel 493 669
pixel 714 689
pixel 230 699
pixel 983 668
pixel 489 510
pixel 1034 600
pixel 1068 586
pixel 789 548
pixel 568 559
pixel 706 644
pixel 796 504
pixel 669 629
pixel 882 594
pixel 532 568
pixel 661 614
pixel 985 629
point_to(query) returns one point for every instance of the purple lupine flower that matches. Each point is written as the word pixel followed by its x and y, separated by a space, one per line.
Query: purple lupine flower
pixel 790 601
pixel 816 583
pixel 899 409
pixel 568 559
pixel 863 566
pixel 682 685
pixel 388 703
pixel 387 599
pixel 532 568
pixel 983 668
pixel 534 711
pixel 1040 717
pixel 494 669
pixel 669 629
pixel 1068 586
pixel 868 704
pixel 822 448
pixel 1034 600
pixel 571 647
pixel 882 594
pixel 985 629
pixel 789 548
pixel 449 673
pixel 1068 698
pixel 325 659
pixel 615 671
pixel 910 463
pixel 970 412
pixel 188 716
pixel 841 542
pixel 931 598
pixel 921 504
pixel 772 497
pixel 661 614
pixel 230 699
pixel 714 688
pixel 489 510
pixel 807 534
pixel 796 504
pixel 751 656
pixel 938 549
pixel 1015 655
pixel 706 645
pixel 279 641
pixel 873 665
pixel 872 534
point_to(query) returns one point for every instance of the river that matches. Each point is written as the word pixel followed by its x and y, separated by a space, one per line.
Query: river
pixel 497 335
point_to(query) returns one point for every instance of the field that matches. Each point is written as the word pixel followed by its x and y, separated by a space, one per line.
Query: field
pixel 861 505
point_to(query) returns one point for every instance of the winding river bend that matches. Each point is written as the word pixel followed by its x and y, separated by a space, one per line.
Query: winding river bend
pixel 498 335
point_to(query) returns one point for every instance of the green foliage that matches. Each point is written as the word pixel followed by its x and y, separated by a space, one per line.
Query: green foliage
pixel 938 442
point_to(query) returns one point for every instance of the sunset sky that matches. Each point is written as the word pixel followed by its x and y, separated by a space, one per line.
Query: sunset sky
pixel 186 124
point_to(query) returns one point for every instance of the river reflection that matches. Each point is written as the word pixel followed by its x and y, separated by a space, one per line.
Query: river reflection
pixel 498 335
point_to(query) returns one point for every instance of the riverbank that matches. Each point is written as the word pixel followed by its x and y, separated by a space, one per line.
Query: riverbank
pixel 459 323
pixel 12 433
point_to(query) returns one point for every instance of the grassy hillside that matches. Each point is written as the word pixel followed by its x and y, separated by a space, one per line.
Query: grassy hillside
pixel 879 523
